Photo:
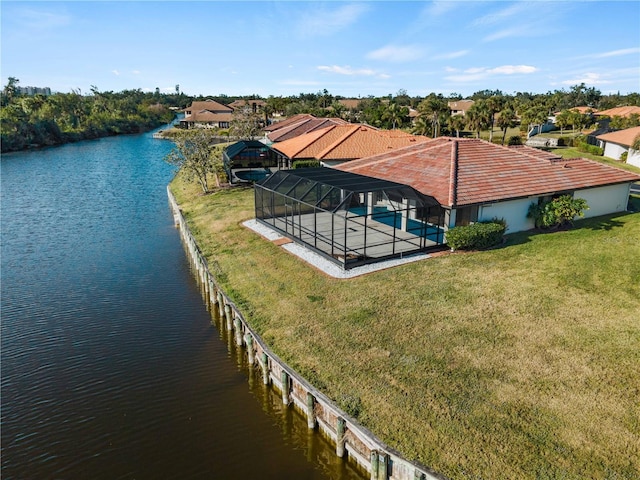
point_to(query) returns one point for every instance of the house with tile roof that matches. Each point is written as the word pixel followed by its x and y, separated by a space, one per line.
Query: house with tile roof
pixel 207 114
pixel 337 144
pixel 276 125
pixel 474 180
pixel 460 107
pixel 619 112
pixel 298 125
pixel 255 105
pixel 616 143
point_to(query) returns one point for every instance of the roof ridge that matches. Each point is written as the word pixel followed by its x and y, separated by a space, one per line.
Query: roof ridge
pixel 380 157
pixel 314 137
pixel 353 127
pixel 453 173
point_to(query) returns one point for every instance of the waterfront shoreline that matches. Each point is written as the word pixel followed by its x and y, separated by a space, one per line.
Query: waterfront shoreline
pixel 350 438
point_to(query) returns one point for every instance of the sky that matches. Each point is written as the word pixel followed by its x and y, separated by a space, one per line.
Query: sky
pixel 352 49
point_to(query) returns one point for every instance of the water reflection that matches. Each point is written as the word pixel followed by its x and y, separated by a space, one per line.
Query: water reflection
pixel 317 448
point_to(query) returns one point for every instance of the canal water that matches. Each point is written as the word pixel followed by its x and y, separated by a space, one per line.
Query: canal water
pixel 111 365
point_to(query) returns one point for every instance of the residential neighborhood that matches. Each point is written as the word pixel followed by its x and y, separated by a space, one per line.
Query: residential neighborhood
pixel 323 240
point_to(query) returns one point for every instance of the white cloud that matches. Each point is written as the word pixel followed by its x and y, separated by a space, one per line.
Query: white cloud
pixel 505 33
pixel 42 20
pixel 438 8
pixel 617 53
pixel 588 78
pixel 480 73
pixel 393 53
pixel 512 69
pixel 500 16
pixel 346 70
pixel 115 72
pixel 322 22
pixel 521 19
pixel 451 55
pixel 136 72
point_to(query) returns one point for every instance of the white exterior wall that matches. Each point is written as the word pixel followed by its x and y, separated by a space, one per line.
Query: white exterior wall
pixel 514 212
pixel 604 200
pixel 634 157
pixel 613 150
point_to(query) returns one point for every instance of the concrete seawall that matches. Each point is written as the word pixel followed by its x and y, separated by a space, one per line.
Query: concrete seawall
pixel 350 438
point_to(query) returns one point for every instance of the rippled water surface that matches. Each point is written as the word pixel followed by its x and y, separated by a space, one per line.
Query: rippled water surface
pixel 111 364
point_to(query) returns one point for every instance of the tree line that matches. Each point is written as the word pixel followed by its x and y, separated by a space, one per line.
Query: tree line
pixel 38 120
pixel 64 117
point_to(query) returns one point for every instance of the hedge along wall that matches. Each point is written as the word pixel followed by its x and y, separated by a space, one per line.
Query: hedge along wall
pixel 349 437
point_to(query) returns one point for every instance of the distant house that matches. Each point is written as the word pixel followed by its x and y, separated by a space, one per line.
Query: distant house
pixel 460 107
pixel 618 142
pixel 350 103
pixel 475 180
pixel 207 114
pixel 249 161
pixel 619 112
pixel 337 144
pixel 296 126
pixel 254 106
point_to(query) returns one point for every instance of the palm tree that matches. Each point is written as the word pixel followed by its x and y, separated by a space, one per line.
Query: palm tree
pixel 507 119
pixel 436 109
pixel 393 114
pixel 457 123
pixel 478 117
pixel 421 127
pixel 495 104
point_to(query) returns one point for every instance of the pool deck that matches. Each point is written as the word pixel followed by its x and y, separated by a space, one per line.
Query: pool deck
pixel 322 263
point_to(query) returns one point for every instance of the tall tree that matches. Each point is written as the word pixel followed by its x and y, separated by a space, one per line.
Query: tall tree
pixel 197 156
pixel 563 120
pixel 506 119
pixel 494 104
pixel 456 123
pixel 395 115
pixel 435 109
pixel 245 124
pixel 478 117
pixel 9 91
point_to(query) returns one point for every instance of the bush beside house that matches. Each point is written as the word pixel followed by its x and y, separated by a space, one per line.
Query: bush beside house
pixel 476 236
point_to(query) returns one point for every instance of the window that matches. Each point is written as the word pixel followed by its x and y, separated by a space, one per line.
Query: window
pixel 466 215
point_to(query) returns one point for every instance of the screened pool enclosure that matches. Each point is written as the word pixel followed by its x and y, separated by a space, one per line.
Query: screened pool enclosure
pixel 348 218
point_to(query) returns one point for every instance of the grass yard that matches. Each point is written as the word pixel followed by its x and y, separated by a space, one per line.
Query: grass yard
pixel 571 152
pixel 514 363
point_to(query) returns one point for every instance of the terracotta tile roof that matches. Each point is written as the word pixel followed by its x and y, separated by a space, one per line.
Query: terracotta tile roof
pixel 351 103
pixel 345 142
pixel 619 111
pixel 584 109
pixel 460 172
pixel 206 116
pixel 303 126
pixel 210 105
pixel 460 105
pixel 621 137
pixel 241 103
pixel 287 121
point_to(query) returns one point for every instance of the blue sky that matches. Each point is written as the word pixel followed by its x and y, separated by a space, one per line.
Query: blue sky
pixel 349 48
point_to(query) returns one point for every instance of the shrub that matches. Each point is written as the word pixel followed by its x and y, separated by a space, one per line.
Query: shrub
pixel 557 212
pixel 565 142
pixel 623 157
pixel 476 236
pixel 306 164
pixel 514 140
pixel 582 146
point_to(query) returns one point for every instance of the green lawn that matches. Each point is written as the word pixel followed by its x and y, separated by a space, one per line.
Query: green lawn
pixel 520 362
pixel 570 152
